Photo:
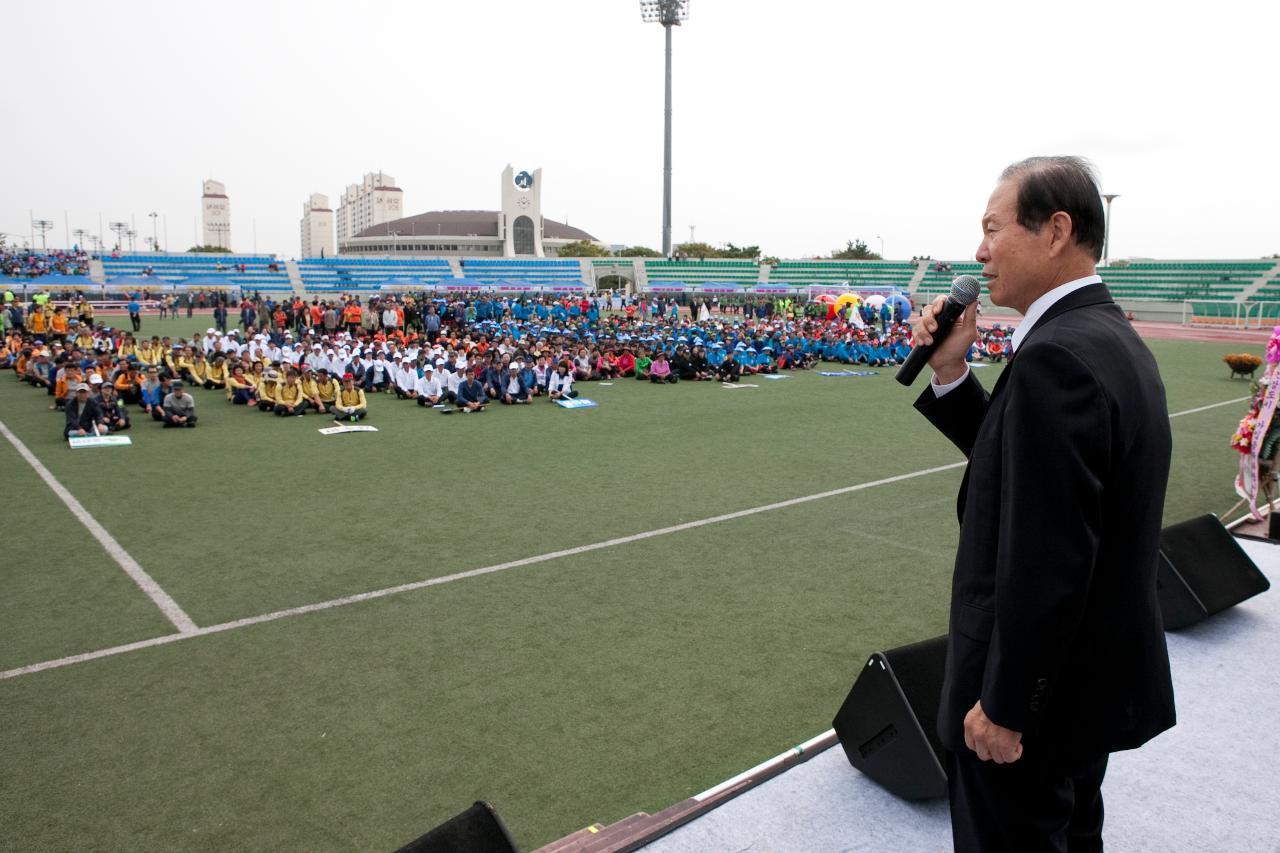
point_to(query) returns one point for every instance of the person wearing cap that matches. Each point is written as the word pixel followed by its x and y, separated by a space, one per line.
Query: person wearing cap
pixel 114 414
pixel 660 370
pixel 268 390
pixel 290 401
pixel 83 415
pixel 179 409
pixel 351 404
pixel 430 389
pixel 514 388
pixel 729 369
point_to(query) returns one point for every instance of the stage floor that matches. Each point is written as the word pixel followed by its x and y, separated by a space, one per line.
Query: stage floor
pixel 1212 783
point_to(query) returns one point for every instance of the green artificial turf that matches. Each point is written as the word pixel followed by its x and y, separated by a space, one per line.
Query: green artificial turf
pixel 578 689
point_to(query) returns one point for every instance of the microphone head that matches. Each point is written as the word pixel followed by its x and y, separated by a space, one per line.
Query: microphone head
pixel 965 289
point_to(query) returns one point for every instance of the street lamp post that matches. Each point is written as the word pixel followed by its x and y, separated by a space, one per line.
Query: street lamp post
pixel 80 234
pixel 133 247
pixel 155 235
pixel 669 13
pixel 1106 240
pixel 881 239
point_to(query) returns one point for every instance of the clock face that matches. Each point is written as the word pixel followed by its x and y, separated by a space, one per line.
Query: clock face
pixel 524 202
pixel 524 180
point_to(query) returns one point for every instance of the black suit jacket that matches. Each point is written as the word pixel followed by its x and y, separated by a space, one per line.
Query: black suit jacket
pixel 1055 624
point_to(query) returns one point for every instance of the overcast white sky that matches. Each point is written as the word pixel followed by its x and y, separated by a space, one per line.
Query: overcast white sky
pixel 798 125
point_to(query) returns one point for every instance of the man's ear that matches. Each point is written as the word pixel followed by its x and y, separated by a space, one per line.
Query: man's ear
pixel 1061 232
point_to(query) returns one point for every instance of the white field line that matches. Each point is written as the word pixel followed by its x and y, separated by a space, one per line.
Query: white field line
pixel 1208 407
pixel 145 582
pixel 500 567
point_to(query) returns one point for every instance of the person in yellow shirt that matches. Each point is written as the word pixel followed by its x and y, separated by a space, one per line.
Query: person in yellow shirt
pixel 351 404
pixel 268 389
pixel 149 352
pixel 182 364
pixel 320 390
pixel 84 336
pixel 290 401
pixel 199 370
pixel 217 374
pixel 241 388
pixel 127 347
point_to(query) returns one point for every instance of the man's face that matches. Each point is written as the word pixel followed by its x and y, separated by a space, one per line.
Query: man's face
pixel 1015 261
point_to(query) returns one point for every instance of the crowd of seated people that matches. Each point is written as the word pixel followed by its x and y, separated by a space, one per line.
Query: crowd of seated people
pixel 460 354
pixel 28 264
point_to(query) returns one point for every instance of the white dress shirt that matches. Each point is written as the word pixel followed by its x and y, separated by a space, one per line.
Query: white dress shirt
pixel 1036 310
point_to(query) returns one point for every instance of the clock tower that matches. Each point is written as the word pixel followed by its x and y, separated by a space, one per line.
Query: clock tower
pixel 520 221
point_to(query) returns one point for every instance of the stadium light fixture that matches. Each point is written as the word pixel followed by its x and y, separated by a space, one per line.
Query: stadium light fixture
pixel 155 236
pixel 119 228
pixel 669 13
pixel 1106 239
pixel 44 226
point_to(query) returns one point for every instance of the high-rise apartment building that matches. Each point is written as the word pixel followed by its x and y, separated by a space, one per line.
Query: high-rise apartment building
pixel 317 227
pixel 373 201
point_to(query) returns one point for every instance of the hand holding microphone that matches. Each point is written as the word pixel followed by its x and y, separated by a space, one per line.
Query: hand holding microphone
pixel 945 330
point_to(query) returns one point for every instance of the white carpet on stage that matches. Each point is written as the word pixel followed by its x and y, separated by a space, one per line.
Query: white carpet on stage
pixel 1212 783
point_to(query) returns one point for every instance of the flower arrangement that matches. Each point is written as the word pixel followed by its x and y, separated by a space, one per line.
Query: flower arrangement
pixel 1243 363
pixel 1257 437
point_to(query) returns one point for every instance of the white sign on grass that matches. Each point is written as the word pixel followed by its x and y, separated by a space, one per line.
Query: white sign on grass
pixel 580 403
pixel 79 441
pixel 341 429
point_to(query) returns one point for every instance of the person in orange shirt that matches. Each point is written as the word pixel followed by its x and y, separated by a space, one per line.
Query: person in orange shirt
pixel 37 322
pixel 58 324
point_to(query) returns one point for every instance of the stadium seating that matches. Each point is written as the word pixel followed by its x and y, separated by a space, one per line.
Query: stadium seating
pixel 897 274
pixel 538 271
pixel 178 268
pixel 338 275
pixel 721 270
pixel 1174 281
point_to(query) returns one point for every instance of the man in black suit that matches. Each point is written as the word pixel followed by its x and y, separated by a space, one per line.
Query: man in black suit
pixel 1055 654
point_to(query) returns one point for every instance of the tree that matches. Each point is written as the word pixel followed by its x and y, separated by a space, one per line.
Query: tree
pixel 582 249
pixel 220 250
pixel 706 250
pixel 639 252
pixel 854 250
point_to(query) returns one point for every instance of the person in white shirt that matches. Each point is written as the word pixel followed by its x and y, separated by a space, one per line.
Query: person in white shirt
pixel 452 381
pixel 514 390
pixel 560 383
pixel 430 391
pixel 407 379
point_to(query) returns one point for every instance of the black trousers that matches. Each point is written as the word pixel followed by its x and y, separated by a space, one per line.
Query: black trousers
pixel 1028 806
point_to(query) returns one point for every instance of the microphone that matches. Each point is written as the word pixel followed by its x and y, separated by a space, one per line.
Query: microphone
pixel 964 291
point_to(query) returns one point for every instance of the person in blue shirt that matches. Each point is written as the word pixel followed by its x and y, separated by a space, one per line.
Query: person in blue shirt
pixel 135 313
pixel 471 396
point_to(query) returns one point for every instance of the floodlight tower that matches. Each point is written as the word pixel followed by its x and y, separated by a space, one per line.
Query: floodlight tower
pixel 80 234
pixel 155 236
pixel 669 13
pixel 44 226
pixel 119 228
pixel 1106 240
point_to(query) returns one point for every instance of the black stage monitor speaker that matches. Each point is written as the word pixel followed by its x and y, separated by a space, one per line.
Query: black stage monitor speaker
pixel 1203 570
pixel 477 830
pixel 888 724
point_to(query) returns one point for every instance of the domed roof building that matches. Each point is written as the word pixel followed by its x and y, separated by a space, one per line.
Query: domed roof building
pixel 517 230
